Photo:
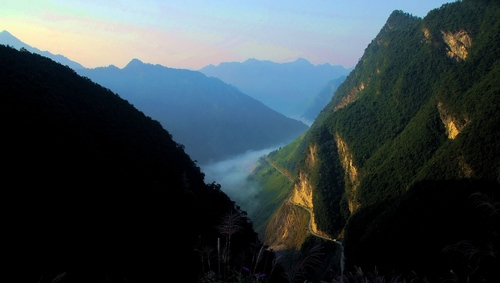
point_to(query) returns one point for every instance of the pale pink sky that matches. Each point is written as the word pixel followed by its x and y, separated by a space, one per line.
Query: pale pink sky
pixel 191 34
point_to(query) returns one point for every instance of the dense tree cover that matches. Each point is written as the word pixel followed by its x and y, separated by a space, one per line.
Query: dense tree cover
pixel 94 190
pixel 394 130
pixel 412 196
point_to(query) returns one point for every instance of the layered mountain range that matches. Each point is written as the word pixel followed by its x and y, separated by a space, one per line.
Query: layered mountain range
pixel 218 118
pixel 212 119
pixel 396 179
pixel 296 89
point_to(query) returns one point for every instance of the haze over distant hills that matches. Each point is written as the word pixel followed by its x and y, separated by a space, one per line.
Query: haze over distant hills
pixel 396 180
pixel 289 88
pixel 321 99
pixel 212 119
pixel 298 89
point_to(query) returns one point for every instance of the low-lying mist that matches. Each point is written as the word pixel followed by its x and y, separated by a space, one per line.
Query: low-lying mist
pixel 232 175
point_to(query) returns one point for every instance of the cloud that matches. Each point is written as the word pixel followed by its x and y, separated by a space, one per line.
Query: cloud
pixel 232 175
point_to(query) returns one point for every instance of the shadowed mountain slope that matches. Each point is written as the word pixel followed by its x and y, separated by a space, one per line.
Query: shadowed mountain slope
pixel 96 191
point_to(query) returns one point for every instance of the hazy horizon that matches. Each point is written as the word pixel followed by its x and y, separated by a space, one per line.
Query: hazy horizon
pixel 194 34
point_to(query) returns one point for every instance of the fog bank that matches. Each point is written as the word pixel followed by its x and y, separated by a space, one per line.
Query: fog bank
pixel 232 175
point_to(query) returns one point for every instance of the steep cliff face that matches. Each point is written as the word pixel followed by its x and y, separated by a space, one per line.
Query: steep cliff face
pixel 302 195
pixel 458 44
pixel 418 113
pixel 284 230
pixel 350 97
pixel 287 228
pixel 302 192
pixel 427 35
pixel 351 173
pixel 453 125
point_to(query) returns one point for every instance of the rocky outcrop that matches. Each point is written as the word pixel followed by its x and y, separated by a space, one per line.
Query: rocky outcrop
pixel 351 172
pixel 302 192
pixel 452 124
pixel 350 97
pixel 458 44
pixel 287 228
pixel 427 35
pixel 311 156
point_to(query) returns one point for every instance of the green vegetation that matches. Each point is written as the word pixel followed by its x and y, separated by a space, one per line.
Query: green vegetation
pixel 98 189
pixel 409 199
pixel 277 188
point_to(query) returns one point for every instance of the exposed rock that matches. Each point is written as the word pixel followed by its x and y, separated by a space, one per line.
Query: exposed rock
pixel 286 229
pixel 458 44
pixel 452 124
pixel 350 170
pixel 302 192
pixel 311 157
pixel 350 97
pixel 427 35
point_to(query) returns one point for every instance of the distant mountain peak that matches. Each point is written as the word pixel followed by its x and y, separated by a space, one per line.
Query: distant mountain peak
pixel 256 61
pixel 302 61
pixel 134 63
pixel 8 39
pixel 5 32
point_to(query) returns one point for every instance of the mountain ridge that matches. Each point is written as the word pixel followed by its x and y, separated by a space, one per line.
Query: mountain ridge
pixel 212 119
pixel 8 39
pixel 153 86
pixel 394 162
pixel 289 88
pixel 94 190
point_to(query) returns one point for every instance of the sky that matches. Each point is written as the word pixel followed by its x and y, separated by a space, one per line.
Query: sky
pixel 192 34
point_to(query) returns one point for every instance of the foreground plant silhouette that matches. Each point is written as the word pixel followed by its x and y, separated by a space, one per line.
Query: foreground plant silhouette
pixel 257 263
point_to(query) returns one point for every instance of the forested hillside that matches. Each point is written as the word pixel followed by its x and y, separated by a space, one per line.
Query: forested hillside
pixel 96 191
pixel 403 163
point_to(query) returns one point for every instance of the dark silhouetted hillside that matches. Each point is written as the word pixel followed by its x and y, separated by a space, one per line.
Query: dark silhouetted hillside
pixel 96 191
